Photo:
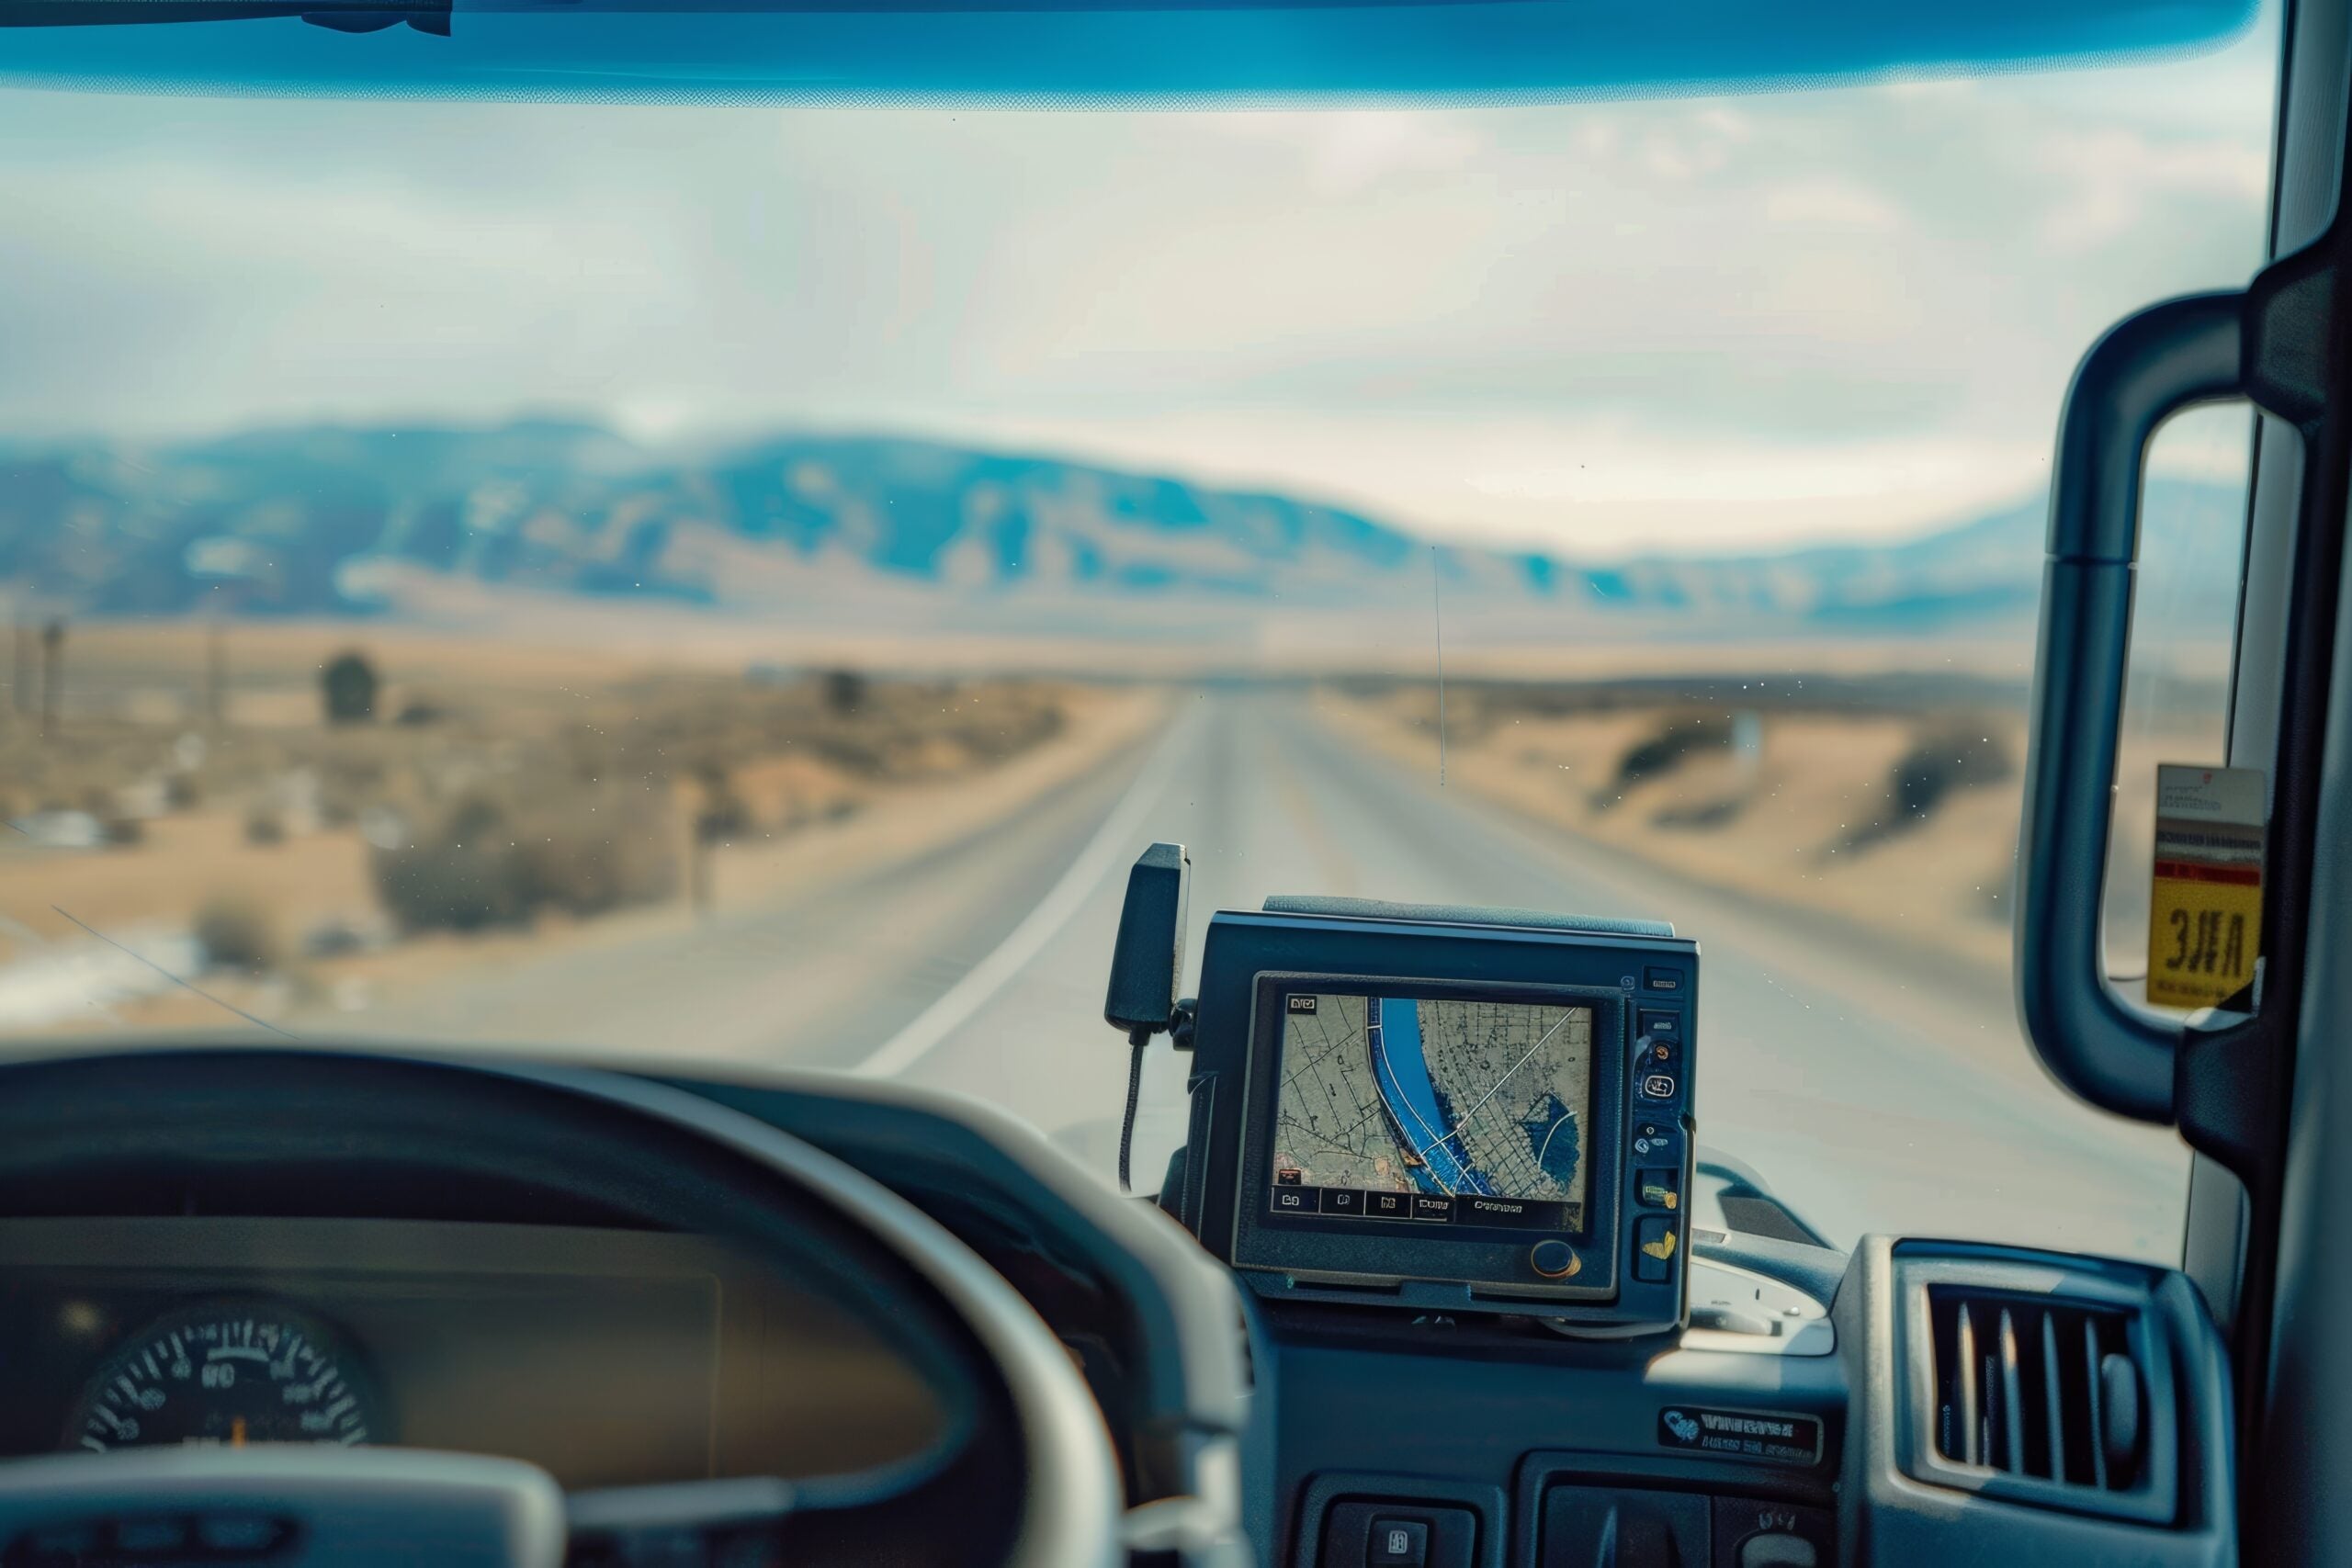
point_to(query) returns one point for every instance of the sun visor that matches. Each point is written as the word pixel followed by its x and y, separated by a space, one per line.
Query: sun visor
pixel 1046 53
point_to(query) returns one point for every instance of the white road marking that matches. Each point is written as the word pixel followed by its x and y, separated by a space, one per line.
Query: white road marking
pixel 1114 841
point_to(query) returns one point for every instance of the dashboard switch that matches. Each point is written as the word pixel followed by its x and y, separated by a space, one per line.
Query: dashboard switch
pixel 1778 1552
pixel 1398 1543
pixel 1756 1533
pixel 1398 1532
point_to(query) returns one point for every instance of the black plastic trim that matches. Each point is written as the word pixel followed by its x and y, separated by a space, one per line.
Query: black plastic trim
pixel 2130 1292
pixel 1333 908
pixel 1694 1477
pixel 2147 367
pixel 1243 946
pixel 1891 1520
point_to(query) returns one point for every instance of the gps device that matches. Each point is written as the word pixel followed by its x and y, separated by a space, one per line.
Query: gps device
pixel 1447 1108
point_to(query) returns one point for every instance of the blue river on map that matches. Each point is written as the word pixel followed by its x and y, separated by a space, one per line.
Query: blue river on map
pixel 1402 1072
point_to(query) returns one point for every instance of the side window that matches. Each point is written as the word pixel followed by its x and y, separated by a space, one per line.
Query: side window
pixel 2184 627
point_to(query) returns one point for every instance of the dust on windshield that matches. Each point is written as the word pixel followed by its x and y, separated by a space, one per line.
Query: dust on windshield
pixel 742 585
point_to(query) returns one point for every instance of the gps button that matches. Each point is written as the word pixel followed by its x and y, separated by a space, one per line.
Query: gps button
pixel 1554 1259
pixel 1654 1245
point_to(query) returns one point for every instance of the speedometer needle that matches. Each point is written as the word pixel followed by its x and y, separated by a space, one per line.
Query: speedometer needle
pixel 237 1432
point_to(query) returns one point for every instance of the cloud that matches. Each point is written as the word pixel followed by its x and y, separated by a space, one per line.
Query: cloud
pixel 1346 153
pixel 2115 179
pixel 1851 310
pixel 1827 202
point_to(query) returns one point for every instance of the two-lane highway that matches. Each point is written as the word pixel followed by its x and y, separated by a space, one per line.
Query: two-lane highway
pixel 1874 1089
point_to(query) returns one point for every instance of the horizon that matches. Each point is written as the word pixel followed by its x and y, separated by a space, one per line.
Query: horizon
pixel 2211 458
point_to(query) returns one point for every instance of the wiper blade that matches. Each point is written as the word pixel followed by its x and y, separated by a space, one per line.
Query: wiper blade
pixel 342 16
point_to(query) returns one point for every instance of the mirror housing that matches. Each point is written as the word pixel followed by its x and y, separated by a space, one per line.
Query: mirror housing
pixel 2269 344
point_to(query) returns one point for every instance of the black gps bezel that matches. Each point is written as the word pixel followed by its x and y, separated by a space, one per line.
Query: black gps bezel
pixel 1623 970
pixel 1342 1251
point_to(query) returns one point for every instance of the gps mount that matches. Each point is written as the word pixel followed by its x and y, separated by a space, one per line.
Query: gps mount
pixel 1148 970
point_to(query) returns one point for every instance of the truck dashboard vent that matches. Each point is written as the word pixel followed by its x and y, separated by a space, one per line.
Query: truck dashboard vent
pixel 2038 1388
pixel 2044 1380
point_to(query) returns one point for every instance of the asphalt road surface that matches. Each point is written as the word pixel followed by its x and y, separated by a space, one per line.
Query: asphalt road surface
pixel 1873 1090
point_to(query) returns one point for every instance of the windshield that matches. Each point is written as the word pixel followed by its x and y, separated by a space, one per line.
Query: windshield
pixel 743 584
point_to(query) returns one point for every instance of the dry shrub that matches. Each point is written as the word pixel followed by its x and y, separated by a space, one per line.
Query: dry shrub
pixel 611 849
pixel 492 861
pixel 1665 750
pixel 457 876
pixel 1937 766
pixel 236 933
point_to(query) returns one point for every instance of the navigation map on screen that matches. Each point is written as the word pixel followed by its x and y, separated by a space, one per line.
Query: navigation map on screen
pixel 1394 1107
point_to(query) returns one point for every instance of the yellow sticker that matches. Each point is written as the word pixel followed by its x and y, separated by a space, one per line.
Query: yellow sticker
pixel 2205 909
pixel 1662 1248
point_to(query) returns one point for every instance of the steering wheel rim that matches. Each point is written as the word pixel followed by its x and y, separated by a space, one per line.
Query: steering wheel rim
pixel 1070 1509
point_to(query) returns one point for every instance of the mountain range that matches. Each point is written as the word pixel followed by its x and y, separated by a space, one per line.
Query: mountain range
pixel 343 520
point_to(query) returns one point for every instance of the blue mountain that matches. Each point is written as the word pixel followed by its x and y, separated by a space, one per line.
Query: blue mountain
pixel 332 520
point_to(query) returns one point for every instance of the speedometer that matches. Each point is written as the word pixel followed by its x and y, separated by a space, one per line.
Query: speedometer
pixel 227 1372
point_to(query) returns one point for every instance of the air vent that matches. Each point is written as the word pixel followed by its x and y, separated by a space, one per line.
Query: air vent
pixel 2044 1380
pixel 2035 1388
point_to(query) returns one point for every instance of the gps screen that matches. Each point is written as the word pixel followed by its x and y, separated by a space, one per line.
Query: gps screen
pixel 1420 1110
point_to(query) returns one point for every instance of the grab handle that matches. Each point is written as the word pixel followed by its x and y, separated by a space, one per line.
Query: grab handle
pixel 2148 368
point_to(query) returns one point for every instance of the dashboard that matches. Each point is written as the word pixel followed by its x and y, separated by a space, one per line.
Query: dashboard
pixel 605 1356
pixel 1595 1346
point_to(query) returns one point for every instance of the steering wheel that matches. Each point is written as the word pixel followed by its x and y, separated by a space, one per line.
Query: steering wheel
pixel 384 1134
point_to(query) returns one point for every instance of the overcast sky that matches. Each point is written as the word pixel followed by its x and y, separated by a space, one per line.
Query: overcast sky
pixel 1677 325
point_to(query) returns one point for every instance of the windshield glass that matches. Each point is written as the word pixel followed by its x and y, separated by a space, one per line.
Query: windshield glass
pixel 743 584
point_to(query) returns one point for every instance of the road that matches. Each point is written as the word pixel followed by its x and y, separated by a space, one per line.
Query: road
pixel 1874 1089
